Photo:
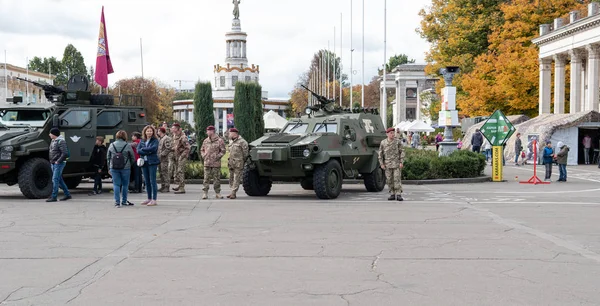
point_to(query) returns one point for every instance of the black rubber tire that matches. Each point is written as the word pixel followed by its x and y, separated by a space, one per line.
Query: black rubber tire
pixel 255 185
pixel 375 181
pixel 327 180
pixel 101 99
pixel 307 184
pixel 35 178
pixel 73 182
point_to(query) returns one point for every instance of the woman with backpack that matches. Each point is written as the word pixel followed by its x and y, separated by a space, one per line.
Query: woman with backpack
pixel 148 149
pixel 120 158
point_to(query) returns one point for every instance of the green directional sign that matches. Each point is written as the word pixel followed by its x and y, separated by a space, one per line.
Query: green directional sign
pixel 497 129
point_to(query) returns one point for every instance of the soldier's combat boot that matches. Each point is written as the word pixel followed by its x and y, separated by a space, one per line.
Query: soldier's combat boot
pixel 218 196
pixel 175 188
pixel 392 197
pixel 229 196
pixel 205 196
pixel 232 196
pixel 399 198
pixel 180 190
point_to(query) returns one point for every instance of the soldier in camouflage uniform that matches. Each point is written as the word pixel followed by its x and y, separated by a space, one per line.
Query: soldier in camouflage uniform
pixel 172 156
pixel 181 151
pixel 391 158
pixel 238 151
pixel 165 154
pixel 213 149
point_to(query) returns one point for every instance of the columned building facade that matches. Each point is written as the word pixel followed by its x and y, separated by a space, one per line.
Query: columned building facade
pixel 575 41
pixel 236 69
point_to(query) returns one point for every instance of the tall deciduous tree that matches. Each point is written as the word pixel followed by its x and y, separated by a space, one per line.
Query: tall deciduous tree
pixel 156 98
pixel 73 61
pixel 395 61
pixel 203 109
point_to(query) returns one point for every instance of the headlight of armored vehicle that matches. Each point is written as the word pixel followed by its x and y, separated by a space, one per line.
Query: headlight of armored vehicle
pixel 306 152
pixel 5 152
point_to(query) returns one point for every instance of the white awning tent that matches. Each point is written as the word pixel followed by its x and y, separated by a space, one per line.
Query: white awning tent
pixel 273 121
pixel 419 126
pixel 402 125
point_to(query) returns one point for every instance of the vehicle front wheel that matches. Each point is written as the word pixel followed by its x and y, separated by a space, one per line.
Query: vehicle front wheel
pixel 327 180
pixel 375 181
pixel 255 185
pixel 35 178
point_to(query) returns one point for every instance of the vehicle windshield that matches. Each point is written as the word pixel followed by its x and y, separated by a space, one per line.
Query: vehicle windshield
pixel 295 128
pixel 325 128
pixel 24 117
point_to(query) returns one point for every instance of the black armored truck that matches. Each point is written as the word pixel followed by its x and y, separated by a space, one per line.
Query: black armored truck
pixel 80 116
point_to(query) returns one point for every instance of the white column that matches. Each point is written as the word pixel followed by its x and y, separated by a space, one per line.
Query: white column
pixel 216 114
pixel 575 95
pixel 228 49
pixel 545 75
pixel 224 120
pixel 244 49
pixel 559 83
pixel 401 100
pixel 419 88
pixel 593 80
pixel 582 101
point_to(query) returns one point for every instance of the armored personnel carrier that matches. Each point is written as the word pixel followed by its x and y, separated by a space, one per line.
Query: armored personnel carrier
pixel 319 150
pixel 80 116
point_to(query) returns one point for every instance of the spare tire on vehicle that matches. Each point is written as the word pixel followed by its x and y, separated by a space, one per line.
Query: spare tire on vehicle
pixel 102 99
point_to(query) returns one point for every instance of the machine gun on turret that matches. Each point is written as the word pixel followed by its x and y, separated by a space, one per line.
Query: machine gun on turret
pixel 324 103
pixel 51 92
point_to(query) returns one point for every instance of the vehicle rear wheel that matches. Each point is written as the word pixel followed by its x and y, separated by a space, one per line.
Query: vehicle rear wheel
pixel 327 180
pixel 73 182
pixel 375 181
pixel 255 185
pixel 35 178
pixel 307 184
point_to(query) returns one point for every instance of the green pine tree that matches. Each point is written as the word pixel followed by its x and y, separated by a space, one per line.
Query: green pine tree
pixel 203 110
pixel 259 123
pixel 243 110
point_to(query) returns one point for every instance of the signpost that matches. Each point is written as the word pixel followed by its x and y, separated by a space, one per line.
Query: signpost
pixel 497 129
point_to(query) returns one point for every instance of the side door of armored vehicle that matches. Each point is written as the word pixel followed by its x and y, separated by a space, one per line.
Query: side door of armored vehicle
pixel 78 126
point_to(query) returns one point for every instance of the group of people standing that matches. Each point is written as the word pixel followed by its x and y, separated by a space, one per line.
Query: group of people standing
pixel 149 150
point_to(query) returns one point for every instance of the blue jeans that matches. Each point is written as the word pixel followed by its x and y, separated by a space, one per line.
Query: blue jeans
pixel 150 180
pixel 562 173
pixel 120 180
pixel 57 180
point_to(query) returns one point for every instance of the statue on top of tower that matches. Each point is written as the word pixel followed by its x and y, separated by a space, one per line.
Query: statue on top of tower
pixel 236 9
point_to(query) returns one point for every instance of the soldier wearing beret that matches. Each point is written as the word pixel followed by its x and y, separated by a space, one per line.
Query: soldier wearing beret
pixel 391 158
pixel 238 151
pixel 213 149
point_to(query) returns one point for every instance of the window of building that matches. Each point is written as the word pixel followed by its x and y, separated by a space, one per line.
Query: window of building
pixel 411 92
pixel 248 79
pixel 234 80
pixel 411 113
pixel 109 119
pixel 222 81
pixel 187 116
pixel 75 118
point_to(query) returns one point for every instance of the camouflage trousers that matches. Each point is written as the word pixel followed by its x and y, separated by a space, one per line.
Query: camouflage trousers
pixel 171 162
pixel 394 180
pixel 235 177
pixel 179 170
pixel 165 174
pixel 212 174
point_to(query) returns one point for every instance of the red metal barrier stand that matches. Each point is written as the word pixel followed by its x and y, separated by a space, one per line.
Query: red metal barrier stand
pixel 534 179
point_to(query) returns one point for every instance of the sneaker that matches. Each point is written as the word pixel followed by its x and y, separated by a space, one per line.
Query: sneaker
pixel 92 193
pixel 51 200
pixel 127 203
pixel 152 203
pixel 66 198
pixel 146 202
pixel 99 192
pixel 118 205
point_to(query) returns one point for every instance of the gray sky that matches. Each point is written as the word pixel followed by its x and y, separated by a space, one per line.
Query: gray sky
pixel 184 39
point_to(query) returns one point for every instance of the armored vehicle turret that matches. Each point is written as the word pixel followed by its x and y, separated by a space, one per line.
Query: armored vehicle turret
pixel 319 150
pixel 80 116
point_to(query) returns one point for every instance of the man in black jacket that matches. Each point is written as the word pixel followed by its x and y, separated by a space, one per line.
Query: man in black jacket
pixel 98 161
pixel 58 159
pixel 477 141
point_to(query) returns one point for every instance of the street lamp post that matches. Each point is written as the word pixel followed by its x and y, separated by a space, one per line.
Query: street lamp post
pixel 448 116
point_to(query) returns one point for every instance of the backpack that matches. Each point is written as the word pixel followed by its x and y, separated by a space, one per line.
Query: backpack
pixel 118 161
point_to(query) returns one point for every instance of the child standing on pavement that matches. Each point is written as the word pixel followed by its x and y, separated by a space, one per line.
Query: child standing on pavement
pixel 548 159
pixel 98 160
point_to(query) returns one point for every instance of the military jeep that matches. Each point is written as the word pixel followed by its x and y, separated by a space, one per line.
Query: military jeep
pixel 319 150
pixel 80 116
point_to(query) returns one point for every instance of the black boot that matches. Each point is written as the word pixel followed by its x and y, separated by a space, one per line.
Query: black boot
pixel 399 198
pixel 392 197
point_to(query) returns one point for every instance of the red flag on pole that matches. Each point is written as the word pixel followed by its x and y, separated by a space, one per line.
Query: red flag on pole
pixel 103 64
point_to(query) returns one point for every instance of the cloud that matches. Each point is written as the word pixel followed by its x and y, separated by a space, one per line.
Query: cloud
pixel 182 40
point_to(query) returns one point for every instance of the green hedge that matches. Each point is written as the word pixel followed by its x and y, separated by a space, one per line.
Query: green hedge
pixel 195 170
pixel 424 164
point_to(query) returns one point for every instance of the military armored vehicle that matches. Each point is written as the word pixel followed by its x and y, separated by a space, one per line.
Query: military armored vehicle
pixel 80 116
pixel 319 150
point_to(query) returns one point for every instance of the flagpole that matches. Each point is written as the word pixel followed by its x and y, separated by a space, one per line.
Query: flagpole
pixel 334 63
pixel 142 57
pixel 327 62
pixel 5 76
pixel 351 56
pixel 384 101
pixel 27 83
pixel 363 54
pixel 341 54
